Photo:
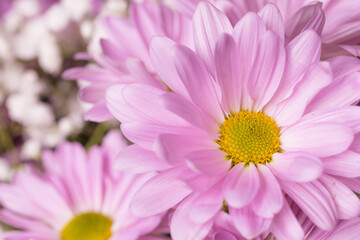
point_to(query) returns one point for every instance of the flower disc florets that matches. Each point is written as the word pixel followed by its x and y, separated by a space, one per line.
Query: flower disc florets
pixel 249 137
pixel 88 226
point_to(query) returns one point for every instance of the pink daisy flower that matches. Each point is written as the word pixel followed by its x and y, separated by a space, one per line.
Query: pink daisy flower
pixel 78 197
pixel 340 31
pixel 250 119
pixel 126 56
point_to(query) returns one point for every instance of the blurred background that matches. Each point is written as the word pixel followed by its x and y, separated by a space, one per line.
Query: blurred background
pixel 39 40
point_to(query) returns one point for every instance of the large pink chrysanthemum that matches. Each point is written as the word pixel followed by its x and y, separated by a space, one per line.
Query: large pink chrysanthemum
pixel 78 197
pixel 126 56
pixel 340 31
pixel 250 118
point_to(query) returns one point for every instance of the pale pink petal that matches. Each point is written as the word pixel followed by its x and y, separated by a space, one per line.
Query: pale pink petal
pixel 344 92
pixel 344 65
pixel 94 92
pixel 309 17
pixel 186 6
pixel 352 183
pixel 296 166
pixel 139 72
pixel 135 159
pixel 145 134
pixel 159 194
pixel 232 12
pixel 19 221
pixel 248 223
pixel 181 221
pixel 273 20
pixel 346 230
pixel 291 109
pixel 160 52
pixel 91 74
pixel 98 113
pixel 211 162
pixel 227 73
pixel 302 52
pixel 174 147
pixel 208 24
pixel 134 102
pixel 346 202
pixel 347 33
pixel 19 235
pixel 196 79
pixel 223 235
pixel 241 185
pixel 314 199
pixel 247 33
pixel 206 204
pixel 123 32
pixel 269 199
pixel 285 226
pixel 321 139
pixel 267 70
pixel 189 112
pixel 112 51
pixel 346 164
pixel 348 116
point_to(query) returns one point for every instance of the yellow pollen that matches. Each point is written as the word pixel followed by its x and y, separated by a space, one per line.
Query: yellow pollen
pixel 88 226
pixel 249 137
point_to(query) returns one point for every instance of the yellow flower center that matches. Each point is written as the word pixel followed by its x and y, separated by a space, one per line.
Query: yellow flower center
pixel 249 137
pixel 88 226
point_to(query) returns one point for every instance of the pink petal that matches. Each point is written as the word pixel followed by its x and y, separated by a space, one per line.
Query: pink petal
pixel 346 164
pixel 267 70
pixel 206 204
pixel 160 52
pixel 347 115
pixel 91 74
pixel 123 32
pixel 314 199
pixel 269 199
pixel 189 112
pixel 208 24
pixel 210 162
pixel 112 51
pixel 227 73
pixel 285 225
pixel 241 185
pixel 247 33
pixel 135 159
pixel 98 113
pixel 159 194
pixel 138 102
pixel 352 183
pixel 348 229
pixel 309 17
pixel 273 20
pixel 145 134
pixel 296 166
pixel 344 92
pixel 139 72
pixel 302 52
pixel 248 223
pixel 346 202
pixel 174 147
pixel 196 79
pixel 320 139
pixel 291 109
pixel 181 221
pixel 232 12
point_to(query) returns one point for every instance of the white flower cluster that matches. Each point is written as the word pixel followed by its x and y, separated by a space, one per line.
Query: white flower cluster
pixel 37 41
